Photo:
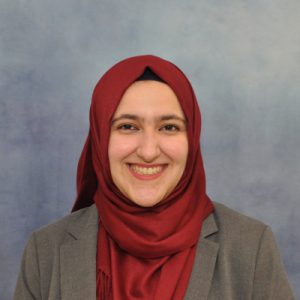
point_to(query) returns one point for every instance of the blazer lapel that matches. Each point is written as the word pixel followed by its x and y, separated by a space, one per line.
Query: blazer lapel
pixel 78 258
pixel 204 265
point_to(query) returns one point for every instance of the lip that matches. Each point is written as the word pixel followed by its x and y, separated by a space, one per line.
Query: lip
pixel 146 176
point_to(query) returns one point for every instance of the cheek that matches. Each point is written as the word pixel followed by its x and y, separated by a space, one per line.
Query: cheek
pixel 119 148
pixel 177 150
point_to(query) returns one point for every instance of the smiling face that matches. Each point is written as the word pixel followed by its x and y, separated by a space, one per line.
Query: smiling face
pixel 148 144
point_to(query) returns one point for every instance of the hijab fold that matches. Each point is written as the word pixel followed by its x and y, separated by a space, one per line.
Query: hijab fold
pixel 143 253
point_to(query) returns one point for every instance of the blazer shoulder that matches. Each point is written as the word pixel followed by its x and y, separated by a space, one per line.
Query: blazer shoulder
pixel 56 230
pixel 236 229
pixel 227 218
pixel 248 258
pixel 42 263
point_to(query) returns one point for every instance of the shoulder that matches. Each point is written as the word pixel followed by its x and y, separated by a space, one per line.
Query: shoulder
pixel 56 231
pixel 244 243
pixel 248 256
pixel 44 244
pixel 41 264
pixel 232 223
pixel 227 215
pixel 236 233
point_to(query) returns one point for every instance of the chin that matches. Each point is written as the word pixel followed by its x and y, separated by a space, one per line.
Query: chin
pixel 146 201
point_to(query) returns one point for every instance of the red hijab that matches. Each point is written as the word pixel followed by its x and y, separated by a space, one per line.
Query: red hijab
pixel 143 253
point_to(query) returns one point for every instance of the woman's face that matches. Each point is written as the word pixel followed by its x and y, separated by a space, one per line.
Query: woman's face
pixel 148 144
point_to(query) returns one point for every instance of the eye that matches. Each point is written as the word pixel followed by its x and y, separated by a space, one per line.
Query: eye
pixel 170 128
pixel 127 127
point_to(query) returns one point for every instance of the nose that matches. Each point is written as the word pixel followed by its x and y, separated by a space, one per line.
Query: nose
pixel 148 148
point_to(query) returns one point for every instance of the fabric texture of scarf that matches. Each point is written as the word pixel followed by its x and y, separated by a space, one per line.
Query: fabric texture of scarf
pixel 143 253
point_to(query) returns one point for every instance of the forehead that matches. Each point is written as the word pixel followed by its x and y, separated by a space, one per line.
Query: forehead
pixel 149 97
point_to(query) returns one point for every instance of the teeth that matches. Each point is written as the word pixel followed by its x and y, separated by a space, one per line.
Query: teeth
pixel 146 171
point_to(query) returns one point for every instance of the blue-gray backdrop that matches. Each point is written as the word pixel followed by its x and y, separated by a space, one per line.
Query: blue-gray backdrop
pixel 243 58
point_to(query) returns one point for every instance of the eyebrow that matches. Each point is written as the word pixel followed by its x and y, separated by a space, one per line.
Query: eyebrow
pixel 161 118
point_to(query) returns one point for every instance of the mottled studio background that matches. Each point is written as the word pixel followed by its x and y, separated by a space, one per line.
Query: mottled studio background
pixel 243 59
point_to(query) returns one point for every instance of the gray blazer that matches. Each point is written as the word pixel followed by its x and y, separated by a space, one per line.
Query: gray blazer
pixel 236 258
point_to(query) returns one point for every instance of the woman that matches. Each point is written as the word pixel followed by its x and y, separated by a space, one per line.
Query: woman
pixel 143 226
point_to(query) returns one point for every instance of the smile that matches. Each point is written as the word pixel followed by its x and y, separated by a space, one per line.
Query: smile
pixel 145 172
